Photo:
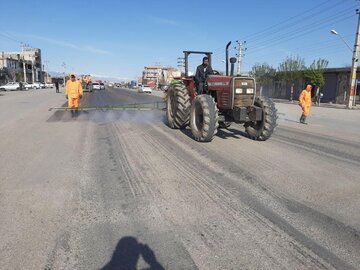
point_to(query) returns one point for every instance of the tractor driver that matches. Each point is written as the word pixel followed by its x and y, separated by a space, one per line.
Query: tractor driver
pixel 201 74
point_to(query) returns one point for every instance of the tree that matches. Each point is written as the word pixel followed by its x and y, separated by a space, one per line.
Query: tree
pixel 315 75
pixel 263 73
pixel 291 70
pixel 19 76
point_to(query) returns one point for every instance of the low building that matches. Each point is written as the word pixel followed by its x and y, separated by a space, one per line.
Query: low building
pixel 22 66
pixel 155 76
pixel 337 84
pixel 336 88
pixel 151 76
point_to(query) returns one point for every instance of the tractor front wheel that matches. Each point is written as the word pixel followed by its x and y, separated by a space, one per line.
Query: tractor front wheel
pixel 204 118
pixel 178 106
pixel 262 130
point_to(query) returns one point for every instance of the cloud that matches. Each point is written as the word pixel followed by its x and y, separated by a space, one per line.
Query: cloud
pixel 163 21
pixel 87 48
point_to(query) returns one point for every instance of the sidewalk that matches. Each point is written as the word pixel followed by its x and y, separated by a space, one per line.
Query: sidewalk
pixel 322 105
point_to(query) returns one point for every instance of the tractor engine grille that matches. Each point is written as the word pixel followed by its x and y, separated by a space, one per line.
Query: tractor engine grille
pixel 242 98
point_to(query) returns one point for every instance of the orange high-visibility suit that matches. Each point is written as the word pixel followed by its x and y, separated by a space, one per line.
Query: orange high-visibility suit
pixel 73 91
pixel 305 100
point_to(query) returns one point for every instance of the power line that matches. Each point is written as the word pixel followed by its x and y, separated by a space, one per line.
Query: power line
pixel 294 36
pixel 10 38
pixel 309 27
pixel 295 32
pixel 280 26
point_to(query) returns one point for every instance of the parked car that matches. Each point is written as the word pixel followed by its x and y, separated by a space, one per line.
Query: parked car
pixel 102 86
pixel 49 85
pixel 145 89
pixel 10 86
pixel 96 86
pixel 28 86
pixel 36 85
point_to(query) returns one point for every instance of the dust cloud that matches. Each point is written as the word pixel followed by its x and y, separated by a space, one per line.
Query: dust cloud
pixel 109 116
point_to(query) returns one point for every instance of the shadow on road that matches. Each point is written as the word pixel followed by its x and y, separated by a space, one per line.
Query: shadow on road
pixel 128 252
pixel 222 133
pixel 231 133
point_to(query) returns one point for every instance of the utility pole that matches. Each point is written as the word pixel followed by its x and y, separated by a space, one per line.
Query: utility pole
pixel 355 60
pixel 240 48
pixel 46 70
pixel 33 69
pixel 63 65
pixel 181 63
pixel 24 70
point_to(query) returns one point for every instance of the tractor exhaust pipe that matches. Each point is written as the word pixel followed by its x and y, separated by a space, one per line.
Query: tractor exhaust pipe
pixel 232 61
pixel 227 58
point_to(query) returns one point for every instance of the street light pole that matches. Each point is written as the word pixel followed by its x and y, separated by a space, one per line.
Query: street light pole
pixel 355 59
pixel 340 36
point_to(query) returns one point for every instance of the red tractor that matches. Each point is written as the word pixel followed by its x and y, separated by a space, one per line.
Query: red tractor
pixel 228 99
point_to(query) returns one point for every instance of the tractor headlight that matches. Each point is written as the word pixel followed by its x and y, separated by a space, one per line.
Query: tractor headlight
pixel 250 91
pixel 239 91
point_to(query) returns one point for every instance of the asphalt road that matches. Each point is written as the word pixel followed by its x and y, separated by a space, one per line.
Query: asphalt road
pixel 118 188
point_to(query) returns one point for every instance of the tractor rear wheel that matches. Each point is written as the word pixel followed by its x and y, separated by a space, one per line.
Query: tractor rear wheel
pixel 262 130
pixel 204 118
pixel 178 106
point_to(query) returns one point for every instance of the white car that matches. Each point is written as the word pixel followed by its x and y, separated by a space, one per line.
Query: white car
pixel 10 86
pixel 145 89
pixel 96 86
pixel 36 85
pixel 28 86
pixel 49 85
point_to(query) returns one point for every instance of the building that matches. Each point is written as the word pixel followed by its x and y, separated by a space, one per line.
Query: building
pixel 336 87
pixel 21 66
pixel 337 81
pixel 151 76
pixel 155 76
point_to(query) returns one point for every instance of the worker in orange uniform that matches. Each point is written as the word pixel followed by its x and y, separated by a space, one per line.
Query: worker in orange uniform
pixel 305 103
pixel 73 92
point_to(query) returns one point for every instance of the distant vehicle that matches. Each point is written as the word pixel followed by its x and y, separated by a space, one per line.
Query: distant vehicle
pixel 10 86
pixel 49 85
pixel 102 86
pixel 27 86
pixel 96 86
pixel 133 84
pixel 36 85
pixel 164 87
pixel 117 85
pixel 145 89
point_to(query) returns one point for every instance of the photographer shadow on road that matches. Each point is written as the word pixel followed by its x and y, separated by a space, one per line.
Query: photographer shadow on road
pixel 127 254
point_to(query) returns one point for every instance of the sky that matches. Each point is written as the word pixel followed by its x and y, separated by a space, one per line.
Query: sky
pixel 118 38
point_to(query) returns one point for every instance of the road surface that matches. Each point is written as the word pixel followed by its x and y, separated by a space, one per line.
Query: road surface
pixel 113 188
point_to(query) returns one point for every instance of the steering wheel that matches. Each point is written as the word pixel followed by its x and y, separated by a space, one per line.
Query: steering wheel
pixel 215 72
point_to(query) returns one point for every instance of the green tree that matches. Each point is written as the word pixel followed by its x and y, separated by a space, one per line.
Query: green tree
pixel 263 73
pixel 315 75
pixel 291 71
pixel 19 77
